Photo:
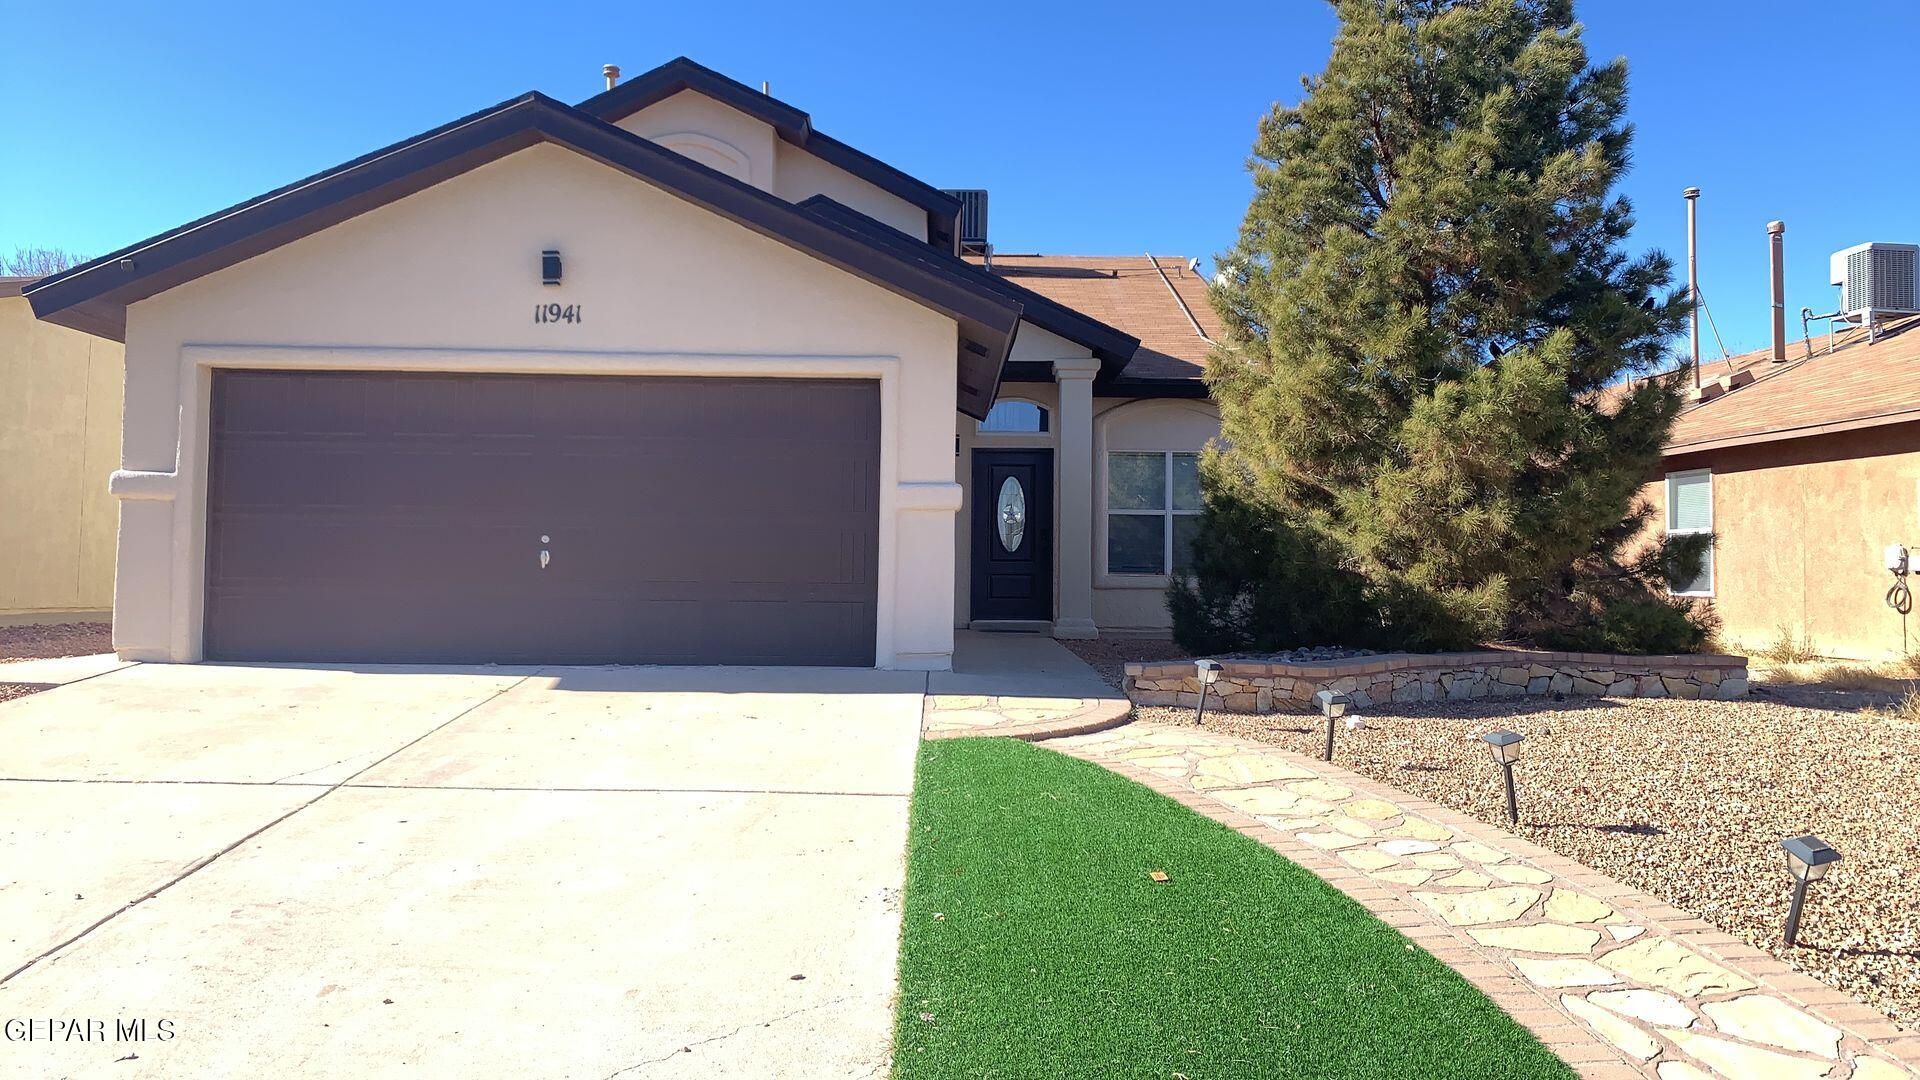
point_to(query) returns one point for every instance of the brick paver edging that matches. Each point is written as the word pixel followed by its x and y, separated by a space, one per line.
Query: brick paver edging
pixel 1257 686
pixel 1868 1046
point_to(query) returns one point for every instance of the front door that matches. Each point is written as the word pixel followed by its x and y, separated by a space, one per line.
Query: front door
pixel 1013 534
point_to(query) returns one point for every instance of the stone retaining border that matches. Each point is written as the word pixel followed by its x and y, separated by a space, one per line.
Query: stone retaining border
pixel 1251 686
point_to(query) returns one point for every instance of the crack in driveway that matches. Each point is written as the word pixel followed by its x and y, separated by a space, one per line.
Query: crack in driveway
pixel 725 1035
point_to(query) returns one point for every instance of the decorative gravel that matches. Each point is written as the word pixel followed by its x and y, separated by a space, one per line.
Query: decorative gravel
pixel 1110 656
pixel 47 642
pixel 1687 800
pixel 59 639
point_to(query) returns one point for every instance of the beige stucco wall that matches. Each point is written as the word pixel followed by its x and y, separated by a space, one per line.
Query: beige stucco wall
pixel 1800 526
pixel 59 440
pixel 449 278
pixel 723 138
pixel 800 175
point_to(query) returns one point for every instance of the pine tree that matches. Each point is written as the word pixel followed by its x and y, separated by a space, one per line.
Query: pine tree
pixel 1430 320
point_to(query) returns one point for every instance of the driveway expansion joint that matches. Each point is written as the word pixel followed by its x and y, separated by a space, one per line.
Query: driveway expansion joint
pixel 1614 981
pixel 200 864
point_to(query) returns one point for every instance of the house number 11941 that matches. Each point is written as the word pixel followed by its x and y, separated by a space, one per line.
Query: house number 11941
pixel 556 313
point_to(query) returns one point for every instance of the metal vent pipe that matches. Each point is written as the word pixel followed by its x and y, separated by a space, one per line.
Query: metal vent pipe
pixel 1777 250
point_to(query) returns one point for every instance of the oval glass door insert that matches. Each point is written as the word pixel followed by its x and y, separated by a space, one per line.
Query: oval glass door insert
pixel 1012 516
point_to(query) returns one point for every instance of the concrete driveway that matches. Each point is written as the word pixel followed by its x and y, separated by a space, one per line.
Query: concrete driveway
pixel 475 872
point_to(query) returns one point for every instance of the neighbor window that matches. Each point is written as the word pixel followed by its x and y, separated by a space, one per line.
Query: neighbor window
pixel 1690 511
pixel 1015 417
pixel 1153 508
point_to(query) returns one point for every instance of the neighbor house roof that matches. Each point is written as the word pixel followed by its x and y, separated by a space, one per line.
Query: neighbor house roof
pixel 94 296
pixel 1858 385
pixel 1156 299
pixel 790 123
pixel 11 286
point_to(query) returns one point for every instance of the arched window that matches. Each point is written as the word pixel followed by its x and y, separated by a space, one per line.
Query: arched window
pixel 1015 417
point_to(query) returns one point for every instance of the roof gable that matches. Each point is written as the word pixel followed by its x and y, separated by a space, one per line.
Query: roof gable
pixel 94 297
pixel 791 124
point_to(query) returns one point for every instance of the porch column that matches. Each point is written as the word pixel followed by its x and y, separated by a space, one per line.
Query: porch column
pixel 1073 612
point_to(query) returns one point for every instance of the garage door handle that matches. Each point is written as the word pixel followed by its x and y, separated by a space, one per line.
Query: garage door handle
pixel 545 558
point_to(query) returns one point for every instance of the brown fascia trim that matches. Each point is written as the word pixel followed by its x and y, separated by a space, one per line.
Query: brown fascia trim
pixel 791 124
pixel 11 286
pixel 1904 416
pixel 1150 388
pixel 93 297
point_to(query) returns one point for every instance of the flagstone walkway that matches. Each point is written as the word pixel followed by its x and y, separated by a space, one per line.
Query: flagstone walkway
pixel 1616 982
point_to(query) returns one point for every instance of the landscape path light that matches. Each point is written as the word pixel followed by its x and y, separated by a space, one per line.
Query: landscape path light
pixel 1206 673
pixel 1808 860
pixel 1506 750
pixel 1332 706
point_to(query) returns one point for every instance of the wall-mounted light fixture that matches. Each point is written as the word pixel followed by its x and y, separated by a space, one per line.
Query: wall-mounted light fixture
pixel 550 268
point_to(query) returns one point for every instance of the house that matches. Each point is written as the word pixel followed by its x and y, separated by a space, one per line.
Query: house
pixel 59 440
pixel 1805 469
pixel 667 376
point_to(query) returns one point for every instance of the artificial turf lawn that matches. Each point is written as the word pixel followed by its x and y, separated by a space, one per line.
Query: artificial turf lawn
pixel 1035 945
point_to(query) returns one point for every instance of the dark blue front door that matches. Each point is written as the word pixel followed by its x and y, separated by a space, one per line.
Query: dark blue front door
pixel 1013 534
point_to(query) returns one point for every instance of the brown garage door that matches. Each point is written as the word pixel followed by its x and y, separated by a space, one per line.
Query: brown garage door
pixel 401 517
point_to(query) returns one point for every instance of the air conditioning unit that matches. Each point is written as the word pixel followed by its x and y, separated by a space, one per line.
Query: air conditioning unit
pixel 1877 279
pixel 973 218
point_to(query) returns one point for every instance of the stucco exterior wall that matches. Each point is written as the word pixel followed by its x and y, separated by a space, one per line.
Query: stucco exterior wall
pixel 59 441
pixel 1800 526
pixel 713 134
pixel 449 279
pixel 1137 603
pixel 800 175
pixel 723 138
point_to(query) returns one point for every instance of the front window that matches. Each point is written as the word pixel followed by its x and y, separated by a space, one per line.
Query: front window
pixel 1016 417
pixel 1690 511
pixel 1153 511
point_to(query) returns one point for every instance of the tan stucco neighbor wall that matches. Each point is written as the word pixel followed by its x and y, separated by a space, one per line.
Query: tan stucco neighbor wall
pixel 59 440
pixel 448 279
pixel 1799 530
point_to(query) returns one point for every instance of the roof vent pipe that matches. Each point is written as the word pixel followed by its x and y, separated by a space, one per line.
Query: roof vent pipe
pixel 1693 276
pixel 612 72
pixel 1777 243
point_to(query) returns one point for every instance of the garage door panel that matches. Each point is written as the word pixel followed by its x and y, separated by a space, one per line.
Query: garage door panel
pixel 384 516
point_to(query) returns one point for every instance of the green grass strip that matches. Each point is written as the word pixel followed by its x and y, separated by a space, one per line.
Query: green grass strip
pixel 1035 945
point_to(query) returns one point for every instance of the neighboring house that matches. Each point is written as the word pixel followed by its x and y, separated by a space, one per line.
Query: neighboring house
pixel 1804 471
pixel 59 441
pixel 669 376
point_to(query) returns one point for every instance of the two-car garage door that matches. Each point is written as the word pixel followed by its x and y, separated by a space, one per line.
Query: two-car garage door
pixel 464 518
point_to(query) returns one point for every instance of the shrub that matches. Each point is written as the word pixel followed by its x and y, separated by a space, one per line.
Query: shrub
pixel 1261 582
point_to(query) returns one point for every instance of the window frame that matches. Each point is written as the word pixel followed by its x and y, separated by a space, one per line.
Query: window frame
pixel 1166 513
pixel 1672 481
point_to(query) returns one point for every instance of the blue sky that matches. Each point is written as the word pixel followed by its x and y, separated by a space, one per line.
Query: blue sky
pixel 1109 128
